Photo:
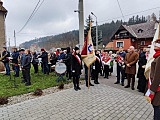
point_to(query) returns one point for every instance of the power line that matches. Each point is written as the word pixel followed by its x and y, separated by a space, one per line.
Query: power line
pixel 120 10
pixel 129 14
pixel 32 14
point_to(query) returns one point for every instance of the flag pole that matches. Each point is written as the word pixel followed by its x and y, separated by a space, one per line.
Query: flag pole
pixel 88 77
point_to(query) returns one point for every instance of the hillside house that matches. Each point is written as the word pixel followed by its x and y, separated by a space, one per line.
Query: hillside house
pixel 138 35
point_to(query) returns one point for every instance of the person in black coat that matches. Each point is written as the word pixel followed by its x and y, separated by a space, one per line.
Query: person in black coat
pixel 15 56
pixel 35 62
pixel 140 75
pixel 97 67
pixel 5 60
pixel 26 67
pixel 68 62
pixel 44 57
pixel 76 68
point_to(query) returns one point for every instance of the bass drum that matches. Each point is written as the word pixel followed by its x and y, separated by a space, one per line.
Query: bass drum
pixel 60 68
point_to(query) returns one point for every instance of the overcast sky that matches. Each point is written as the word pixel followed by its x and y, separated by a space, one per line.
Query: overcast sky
pixel 58 16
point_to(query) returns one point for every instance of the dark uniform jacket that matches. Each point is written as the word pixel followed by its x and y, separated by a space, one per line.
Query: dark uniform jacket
pixel 142 61
pixel 44 57
pixel 98 63
pixel 76 64
pixel 155 77
pixel 131 59
pixel 26 62
pixel 6 54
pixel 15 56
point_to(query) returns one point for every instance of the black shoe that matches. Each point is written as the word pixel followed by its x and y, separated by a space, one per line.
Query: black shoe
pixel 91 84
pixel 23 81
pixel 78 88
pixel 27 84
pixel 122 84
pixel 132 88
pixel 96 82
pixel 116 83
pixel 16 75
pixel 7 74
pixel 105 77
pixel 127 86
pixel 75 89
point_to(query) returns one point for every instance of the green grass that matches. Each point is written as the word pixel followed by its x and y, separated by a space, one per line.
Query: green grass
pixel 39 80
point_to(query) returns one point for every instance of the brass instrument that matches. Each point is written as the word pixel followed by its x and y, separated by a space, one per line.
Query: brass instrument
pixel 3 57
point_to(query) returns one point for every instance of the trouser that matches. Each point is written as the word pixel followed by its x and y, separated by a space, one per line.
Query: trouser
pixel 142 83
pixel 76 81
pixel 95 73
pixel 69 72
pixel 16 69
pixel 101 71
pixel 23 74
pixel 129 77
pixel 106 70
pixel 7 68
pixel 156 112
pixel 35 68
pixel 45 68
pixel 27 76
pixel 120 72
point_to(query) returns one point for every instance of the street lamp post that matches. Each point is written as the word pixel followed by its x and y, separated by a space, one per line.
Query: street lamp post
pixel 96 30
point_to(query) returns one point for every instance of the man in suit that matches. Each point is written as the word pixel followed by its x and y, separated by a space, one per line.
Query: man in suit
pixel 130 61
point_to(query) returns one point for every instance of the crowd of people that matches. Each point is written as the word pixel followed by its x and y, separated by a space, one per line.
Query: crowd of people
pixel 126 62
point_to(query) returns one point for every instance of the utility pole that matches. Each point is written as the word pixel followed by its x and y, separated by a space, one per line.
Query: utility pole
pixel 81 24
pixel 15 38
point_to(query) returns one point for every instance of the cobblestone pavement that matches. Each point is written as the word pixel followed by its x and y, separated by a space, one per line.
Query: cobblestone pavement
pixel 100 102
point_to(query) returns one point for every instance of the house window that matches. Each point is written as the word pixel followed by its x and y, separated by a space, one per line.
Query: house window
pixel 142 42
pixel 140 31
pixel 119 44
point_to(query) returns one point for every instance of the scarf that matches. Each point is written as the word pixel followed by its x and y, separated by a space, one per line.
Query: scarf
pixel 157 53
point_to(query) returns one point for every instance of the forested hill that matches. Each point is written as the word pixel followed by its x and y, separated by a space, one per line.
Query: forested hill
pixel 71 38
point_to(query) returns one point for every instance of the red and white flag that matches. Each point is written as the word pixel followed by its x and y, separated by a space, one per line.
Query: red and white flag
pixel 88 54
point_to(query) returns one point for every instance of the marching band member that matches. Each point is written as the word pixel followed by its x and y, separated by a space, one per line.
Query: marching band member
pixel 35 62
pixel 5 60
pixel 15 56
pixel 106 62
pixel 26 67
pixel 120 66
pixel 22 55
pixel 76 68
pixel 68 62
pixel 44 57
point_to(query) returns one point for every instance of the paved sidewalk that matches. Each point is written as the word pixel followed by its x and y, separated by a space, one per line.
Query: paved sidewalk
pixel 101 102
